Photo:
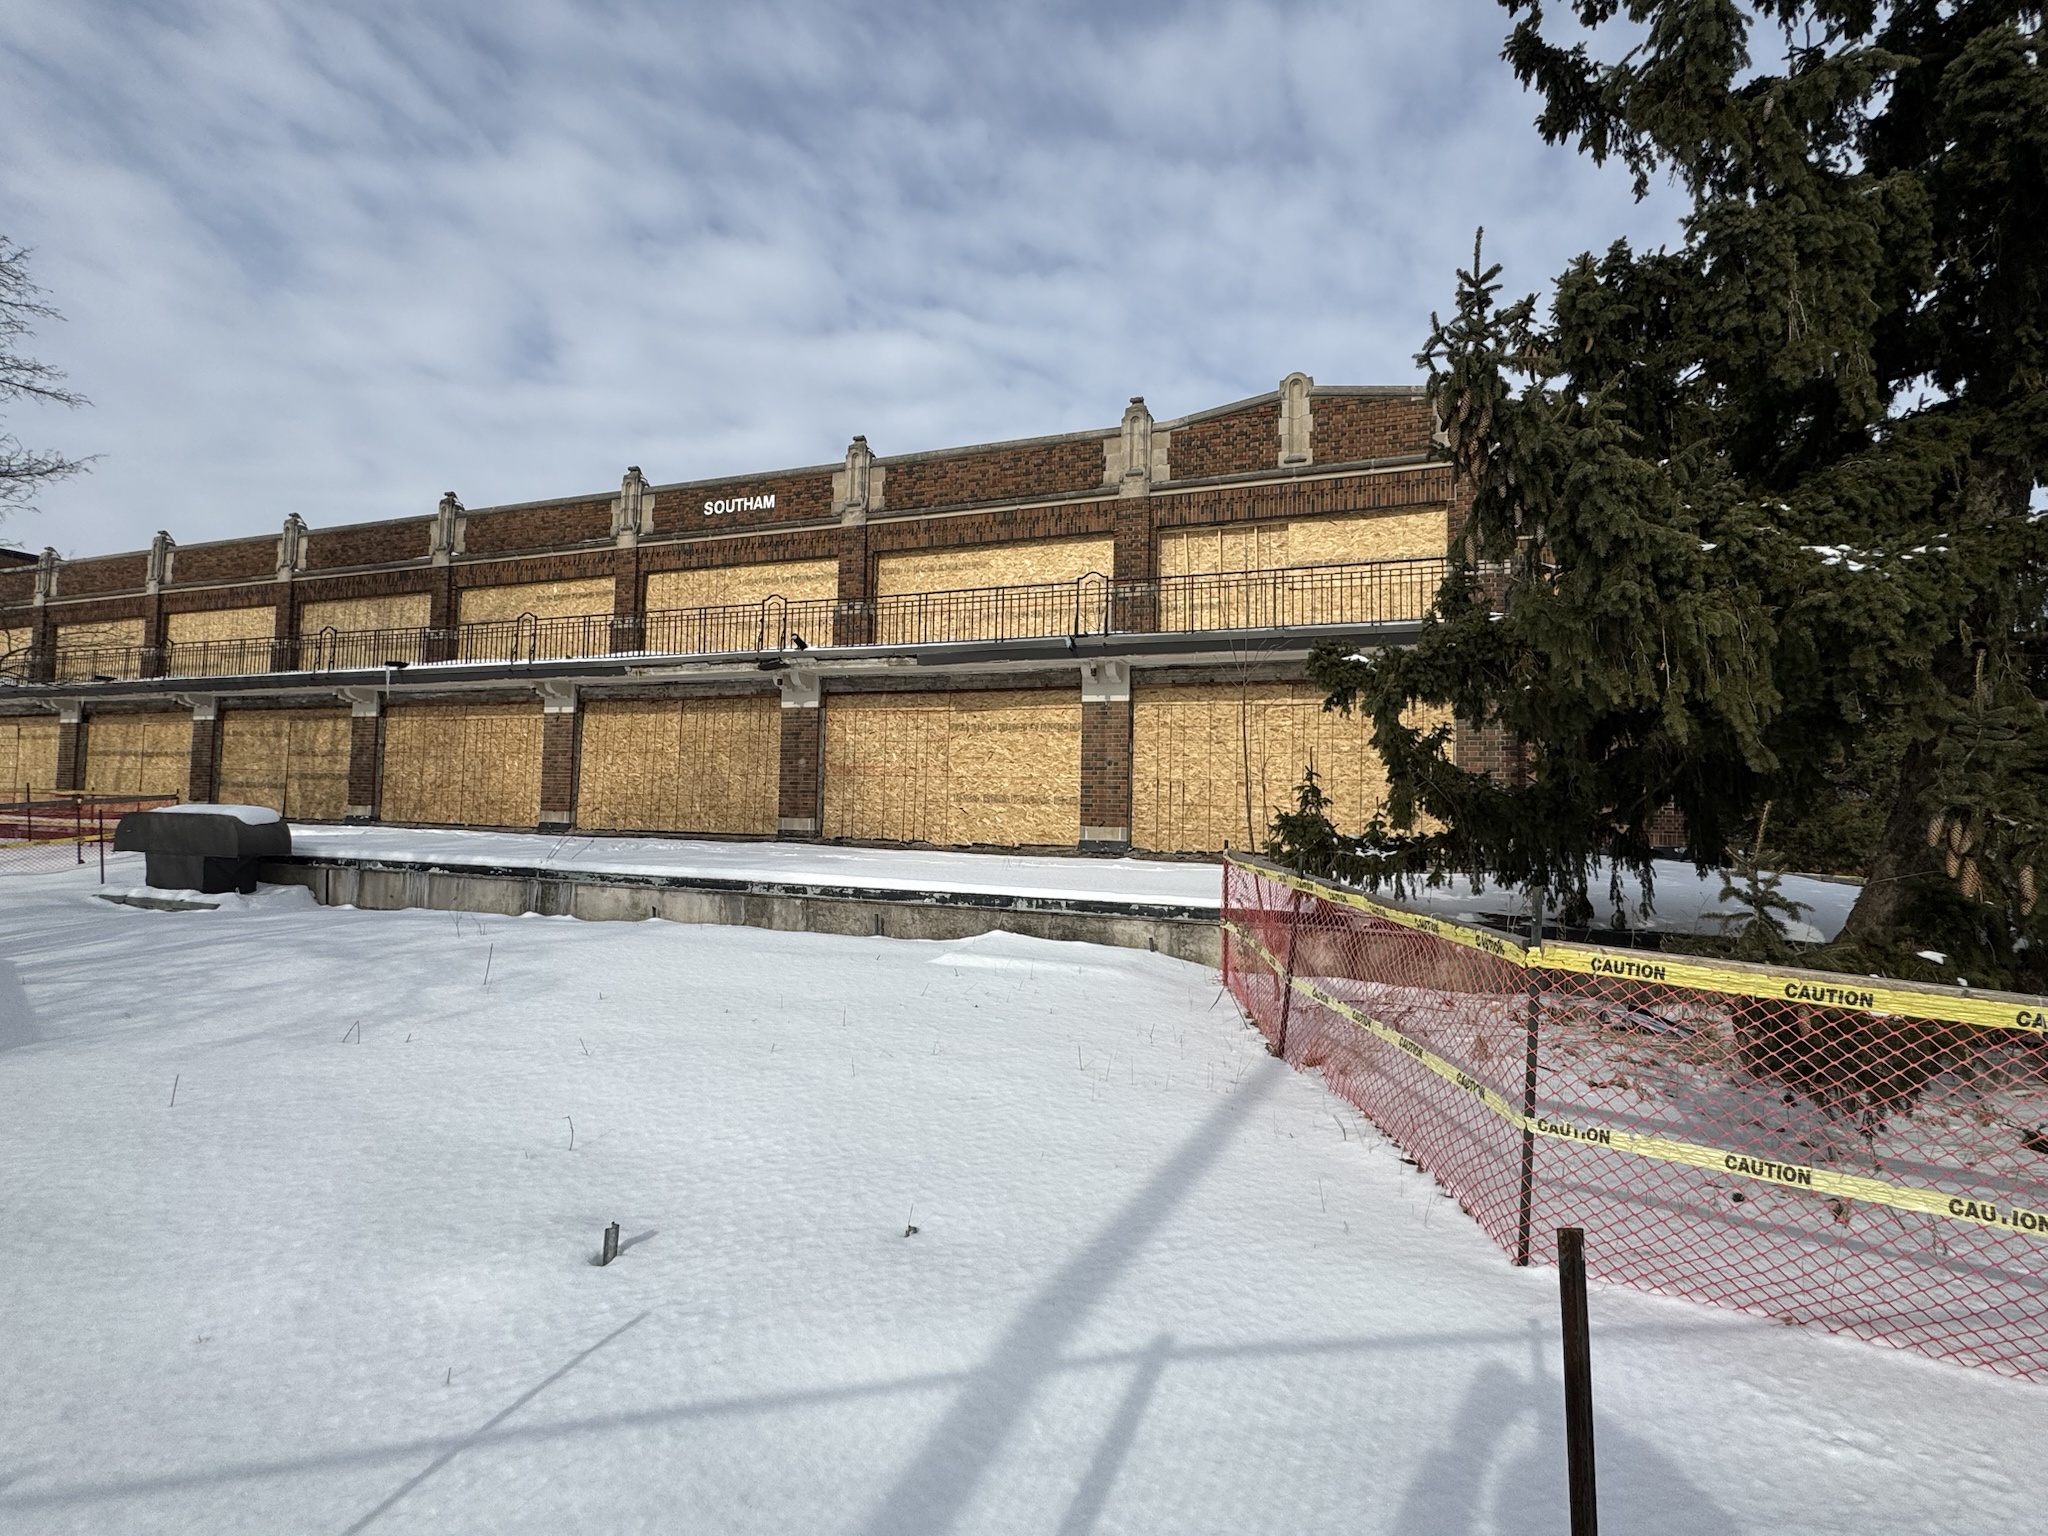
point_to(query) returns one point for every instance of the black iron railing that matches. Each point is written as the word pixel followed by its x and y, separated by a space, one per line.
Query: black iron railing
pixel 1301 597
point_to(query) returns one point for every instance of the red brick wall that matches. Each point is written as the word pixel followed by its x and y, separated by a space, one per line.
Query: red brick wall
pixel 70 754
pixel 558 767
pixel 1106 765
pixel 371 544
pixel 1037 469
pixel 798 498
pixel 1303 498
pixel 109 573
pixel 17 586
pixel 236 560
pixel 1227 445
pixel 798 777
pixel 205 759
pixel 1068 521
pixel 1350 427
pixel 515 528
pixel 365 763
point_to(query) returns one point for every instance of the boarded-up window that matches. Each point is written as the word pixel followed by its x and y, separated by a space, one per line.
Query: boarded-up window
pixel 14 644
pixel 353 615
pixel 28 753
pixel 720 586
pixel 1195 750
pixel 1024 563
pixel 293 760
pixel 1269 575
pixel 953 768
pixel 138 754
pixel 105 649
pixel 465 765
pixel 542 599
pixel 680 765
pixel 220 642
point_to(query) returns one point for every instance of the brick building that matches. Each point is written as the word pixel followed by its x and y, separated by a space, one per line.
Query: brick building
pixel 1094 640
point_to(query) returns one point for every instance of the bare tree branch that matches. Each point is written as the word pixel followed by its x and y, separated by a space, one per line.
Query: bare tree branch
pixel 23 470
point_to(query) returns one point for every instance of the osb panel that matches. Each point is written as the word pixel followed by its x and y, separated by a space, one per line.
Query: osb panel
pixel 12 643
pixel 405 610
pixel 542 599
pixel 28 754
pixel 293 760
pixel 721 586
pixel 474 765
pixel 221 624
pixel 1001 768
pixel 104 632
pixel 1195 748
pixel 1380 536
pixel 138 754
pixel 1023 563
pixel 680 765
pixel 1340 540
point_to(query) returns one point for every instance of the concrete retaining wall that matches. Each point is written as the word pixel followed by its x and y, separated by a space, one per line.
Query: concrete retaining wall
pixel 385 887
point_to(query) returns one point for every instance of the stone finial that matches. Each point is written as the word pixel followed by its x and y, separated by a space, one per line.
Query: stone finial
pixel 1296 424
pixel 633 509
pixel 46 576
pixel 291 547
pixel 448 529
pixel 163 552
pixel 857 489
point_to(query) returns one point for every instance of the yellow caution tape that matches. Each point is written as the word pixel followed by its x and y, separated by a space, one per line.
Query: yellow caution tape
pixel 1824 1181
pixel 1822 989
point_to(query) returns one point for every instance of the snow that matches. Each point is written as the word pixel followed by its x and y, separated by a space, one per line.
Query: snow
pixel 248 815
pixel 1160 1282
pixel 1155 881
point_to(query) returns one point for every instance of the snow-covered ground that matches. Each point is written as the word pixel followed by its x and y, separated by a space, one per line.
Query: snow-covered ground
pixel 882 869
pixel 1159 1283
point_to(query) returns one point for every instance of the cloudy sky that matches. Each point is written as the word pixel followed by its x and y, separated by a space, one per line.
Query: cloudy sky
pixel 338 259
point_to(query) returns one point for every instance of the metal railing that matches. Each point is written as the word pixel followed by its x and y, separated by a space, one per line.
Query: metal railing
pixel 1300 597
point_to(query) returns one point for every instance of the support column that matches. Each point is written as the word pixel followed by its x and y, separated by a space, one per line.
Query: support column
pixel 800 781
pixel 42 626
pixel 365 752
pixel 202 774
pixel 1137 457
pixel 1106 757
pixel 856 491
pixel 560 718
pixel 284 630
pixel 632 516
pixel 70 745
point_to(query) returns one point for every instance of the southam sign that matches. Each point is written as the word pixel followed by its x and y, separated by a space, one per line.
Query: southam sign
pixel 740 504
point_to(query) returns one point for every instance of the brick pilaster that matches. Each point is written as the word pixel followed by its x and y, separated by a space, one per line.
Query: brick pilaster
pixel 854 624
pixel 442 614
pixel 1137 562
pixel 1106 756
pixel 629 602
pixel 560 720
pixel 365 753
pixel 800 774
pixel 202 775
pixel 155 646
pixel 70 747
pixel 284 629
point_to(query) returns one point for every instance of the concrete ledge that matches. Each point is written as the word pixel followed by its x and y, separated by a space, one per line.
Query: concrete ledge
pixel 1186 933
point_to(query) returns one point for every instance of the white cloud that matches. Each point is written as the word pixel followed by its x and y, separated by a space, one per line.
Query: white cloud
pixel 335 260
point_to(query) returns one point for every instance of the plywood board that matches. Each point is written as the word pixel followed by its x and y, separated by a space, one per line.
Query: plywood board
pixel 1261 575
pixel 954 768
pixel 1195 749
pixel 221 624
pixel 81 648
pixel 542 599
pixel 353 615
pixel 1024 563
pixel 466 765
pixel 28 754
pixel 723 586
pixel 14 644
pixel 680 765
pixel 1341 540
pixel 138 754
pixel 293 760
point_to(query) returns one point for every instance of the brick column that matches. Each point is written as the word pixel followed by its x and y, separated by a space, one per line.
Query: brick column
pixel 70 746
pixel 42 646
pixel 800 779
pixel 201 779
pixel 442 614
pixel 854 624
pixel 365 752
pixel 560 718
pixel 629 603
pixel 1136 602
pixel 284 629
pixel 1106 756
pixel 155 649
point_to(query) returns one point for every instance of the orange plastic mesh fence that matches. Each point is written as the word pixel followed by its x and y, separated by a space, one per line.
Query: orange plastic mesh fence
pixel 1866 1156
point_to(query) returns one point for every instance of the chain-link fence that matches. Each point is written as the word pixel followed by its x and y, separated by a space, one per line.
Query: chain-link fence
pixel 1864 1155
pixel 49 830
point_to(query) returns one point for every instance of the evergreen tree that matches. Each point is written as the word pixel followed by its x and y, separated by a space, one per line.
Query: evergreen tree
pixel 1741 507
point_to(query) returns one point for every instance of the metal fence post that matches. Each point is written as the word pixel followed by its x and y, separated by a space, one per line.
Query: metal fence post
pixel 1578 1381
pixel 1527 1202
